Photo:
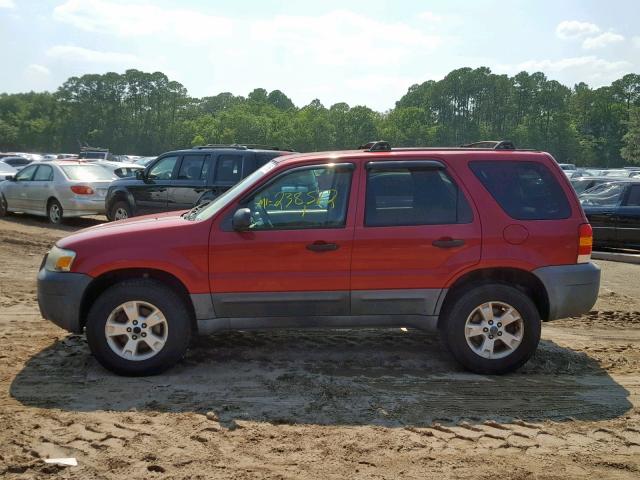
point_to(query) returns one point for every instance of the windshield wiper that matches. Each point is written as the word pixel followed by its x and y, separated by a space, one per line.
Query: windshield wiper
pixel 190 215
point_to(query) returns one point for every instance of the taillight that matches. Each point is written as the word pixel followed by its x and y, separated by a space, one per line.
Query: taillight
pixel 585 243
pixel 82 190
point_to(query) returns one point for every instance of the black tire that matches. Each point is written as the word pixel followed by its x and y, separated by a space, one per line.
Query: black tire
pixel 55 213
pixel 455 316
pixel 120 211
pixel 4 209
pixel 170 304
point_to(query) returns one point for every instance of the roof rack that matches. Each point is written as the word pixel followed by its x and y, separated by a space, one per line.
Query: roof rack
pixel 243 146
pixel 492 145
pixel 378 146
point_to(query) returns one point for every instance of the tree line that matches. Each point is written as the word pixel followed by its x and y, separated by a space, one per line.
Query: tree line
pixel 147 113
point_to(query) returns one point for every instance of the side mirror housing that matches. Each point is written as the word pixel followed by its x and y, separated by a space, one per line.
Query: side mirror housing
pixel 11 178
pixel 241 219
pixel 139 174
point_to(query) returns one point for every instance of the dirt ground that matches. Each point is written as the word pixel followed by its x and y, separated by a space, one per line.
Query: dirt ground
pixel 316 404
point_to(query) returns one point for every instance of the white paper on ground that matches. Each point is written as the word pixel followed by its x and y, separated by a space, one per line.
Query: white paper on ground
pixel 69 462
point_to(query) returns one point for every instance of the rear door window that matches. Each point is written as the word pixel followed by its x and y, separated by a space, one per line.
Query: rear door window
pixel 191 167
pixel 44 174
pixel 407 196
pixel 524 190
pixel 229 169
pixel 634 197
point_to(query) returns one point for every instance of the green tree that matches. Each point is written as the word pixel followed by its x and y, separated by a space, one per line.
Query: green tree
pixel 631 140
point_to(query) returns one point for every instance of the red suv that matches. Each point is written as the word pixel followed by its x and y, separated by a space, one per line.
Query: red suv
pixel 479 243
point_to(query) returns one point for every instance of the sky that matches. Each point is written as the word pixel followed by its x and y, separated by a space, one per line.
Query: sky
pixel 363 52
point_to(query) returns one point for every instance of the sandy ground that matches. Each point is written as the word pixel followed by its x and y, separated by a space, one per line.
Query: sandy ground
pixel 316 404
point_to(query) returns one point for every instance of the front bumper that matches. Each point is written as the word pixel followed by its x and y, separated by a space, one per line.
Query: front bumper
pixel 571 289
pixel 60 297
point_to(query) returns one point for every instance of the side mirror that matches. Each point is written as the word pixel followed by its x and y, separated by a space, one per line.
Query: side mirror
pixel 139 174
pixel 11 178
pixel 241 219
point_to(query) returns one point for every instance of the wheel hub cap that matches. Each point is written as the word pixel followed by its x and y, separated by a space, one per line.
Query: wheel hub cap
pixel 136 330
pixel 494 330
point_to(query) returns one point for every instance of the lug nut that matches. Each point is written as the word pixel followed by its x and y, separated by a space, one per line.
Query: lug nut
pixel 499 334
pixel 135 337
pixel 135 322
pixel 499 325
pixel 485 329
pixel 490 337
pixel 129 329
pixel 143 334
pixel 490 322
pixel 144 325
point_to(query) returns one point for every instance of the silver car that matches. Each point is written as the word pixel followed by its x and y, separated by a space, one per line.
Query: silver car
pixel 58 190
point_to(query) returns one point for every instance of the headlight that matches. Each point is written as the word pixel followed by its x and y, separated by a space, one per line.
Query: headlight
pixel 59 260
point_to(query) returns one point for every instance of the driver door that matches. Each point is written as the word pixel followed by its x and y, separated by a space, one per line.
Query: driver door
pixel 294 260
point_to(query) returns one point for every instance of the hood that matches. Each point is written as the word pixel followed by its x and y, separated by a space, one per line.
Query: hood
pixel 148 226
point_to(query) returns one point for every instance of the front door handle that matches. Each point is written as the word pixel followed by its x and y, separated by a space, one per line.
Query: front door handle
pixel 448 242
pixel 321 246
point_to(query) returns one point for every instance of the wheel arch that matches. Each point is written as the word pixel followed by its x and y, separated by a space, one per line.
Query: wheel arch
pixel 523 280
pixel 108 279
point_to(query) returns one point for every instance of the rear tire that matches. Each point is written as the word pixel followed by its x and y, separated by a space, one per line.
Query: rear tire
pixel 491 328
pixel 138 327
pixel 55 211
pixel 120 211
pixel 4 209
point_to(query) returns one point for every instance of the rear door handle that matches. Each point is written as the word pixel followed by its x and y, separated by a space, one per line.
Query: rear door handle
pixel 448 243
pixel 321 246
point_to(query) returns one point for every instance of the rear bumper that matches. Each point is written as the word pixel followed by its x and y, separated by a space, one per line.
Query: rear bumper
pixel 60 296
pixel 83 206
pixel 571 289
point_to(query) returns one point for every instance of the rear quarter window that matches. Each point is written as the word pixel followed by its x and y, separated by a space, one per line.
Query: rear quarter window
pixel 524 190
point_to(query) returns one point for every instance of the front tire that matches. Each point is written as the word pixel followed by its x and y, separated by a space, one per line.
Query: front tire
pixel 54 211
pixel 138 327
pixel 491 328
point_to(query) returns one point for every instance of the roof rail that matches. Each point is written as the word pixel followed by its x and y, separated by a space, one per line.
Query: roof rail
pixel 243 146
pixel 377 146
pixel 492 145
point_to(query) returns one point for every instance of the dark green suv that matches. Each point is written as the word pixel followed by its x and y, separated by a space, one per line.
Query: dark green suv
pixel 182 179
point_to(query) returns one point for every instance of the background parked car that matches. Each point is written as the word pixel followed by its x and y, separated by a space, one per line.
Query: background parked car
pixel 16 162
pixel 144 161
pixel 181 179
pixel 613 209
pixel 121 170
pixel 6 170
pixel 582 184
pixel 58 190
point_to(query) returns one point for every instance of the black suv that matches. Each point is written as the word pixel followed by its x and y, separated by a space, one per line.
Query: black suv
pixel 182 179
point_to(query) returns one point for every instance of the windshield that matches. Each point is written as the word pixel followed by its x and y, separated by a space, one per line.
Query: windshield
pixel 223 200
pixel 88 173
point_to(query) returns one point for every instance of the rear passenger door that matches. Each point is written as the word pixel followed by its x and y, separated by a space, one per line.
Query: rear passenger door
pixel 190 183
pixel 628 219
pixel 41 187
pixel 414 230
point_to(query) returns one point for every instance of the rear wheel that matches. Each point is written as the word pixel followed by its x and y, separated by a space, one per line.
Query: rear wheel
pixel 492 328
pixel 54 211
pixel 138 327
pixel 120 211
pixel 4 209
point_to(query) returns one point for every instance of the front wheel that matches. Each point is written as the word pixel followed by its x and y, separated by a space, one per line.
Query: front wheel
pixel 120 211
pixel 492 328
pixel 138 327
